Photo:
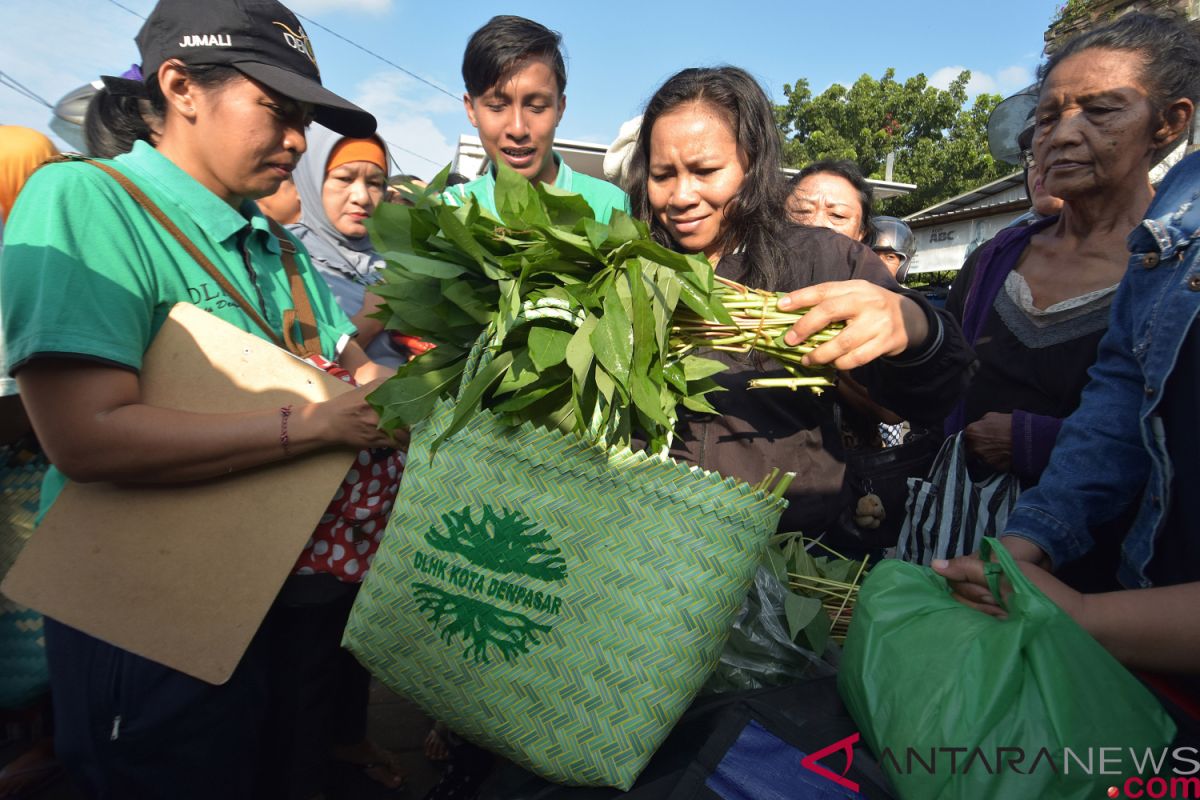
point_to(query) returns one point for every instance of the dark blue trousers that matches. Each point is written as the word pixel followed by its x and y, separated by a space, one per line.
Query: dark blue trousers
pixel 132 729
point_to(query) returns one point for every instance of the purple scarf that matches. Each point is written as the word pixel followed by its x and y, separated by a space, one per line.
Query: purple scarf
pixel 999 257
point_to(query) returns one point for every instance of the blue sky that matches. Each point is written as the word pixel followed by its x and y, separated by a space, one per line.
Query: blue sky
pixel 618 52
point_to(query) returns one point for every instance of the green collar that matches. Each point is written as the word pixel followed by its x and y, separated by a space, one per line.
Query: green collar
pixel 211 214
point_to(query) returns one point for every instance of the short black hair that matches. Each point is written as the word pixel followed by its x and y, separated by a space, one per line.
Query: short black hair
pixel 844 168
pixel 495 50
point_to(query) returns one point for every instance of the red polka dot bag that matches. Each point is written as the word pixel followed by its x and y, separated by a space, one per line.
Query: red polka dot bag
pixel 347 537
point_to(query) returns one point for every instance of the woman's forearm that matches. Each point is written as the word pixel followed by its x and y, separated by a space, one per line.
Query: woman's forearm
pixel 94 427
pixel 1154 629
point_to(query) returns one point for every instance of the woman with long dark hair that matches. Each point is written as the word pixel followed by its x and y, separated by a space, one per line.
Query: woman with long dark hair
pixel 705 176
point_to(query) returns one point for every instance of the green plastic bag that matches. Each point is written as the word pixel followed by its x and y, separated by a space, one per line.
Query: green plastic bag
pixel 555 601
pixel 938 688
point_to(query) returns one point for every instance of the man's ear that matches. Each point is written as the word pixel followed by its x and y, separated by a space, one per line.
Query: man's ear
pixel 562 107
pixel 470 109
pixel 177 88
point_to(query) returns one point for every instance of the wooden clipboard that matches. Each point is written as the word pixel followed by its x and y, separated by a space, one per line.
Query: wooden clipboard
pixel 185 574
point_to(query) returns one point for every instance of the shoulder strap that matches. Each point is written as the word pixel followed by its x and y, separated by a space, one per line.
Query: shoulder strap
pixel 289 263
pixel 310 341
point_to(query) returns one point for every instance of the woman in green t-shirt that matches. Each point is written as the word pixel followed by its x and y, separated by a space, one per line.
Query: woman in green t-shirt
pixel 88 277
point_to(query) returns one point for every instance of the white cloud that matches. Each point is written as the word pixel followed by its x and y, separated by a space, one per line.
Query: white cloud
pixel 322 6
pixel 1005 82
pixel 405 109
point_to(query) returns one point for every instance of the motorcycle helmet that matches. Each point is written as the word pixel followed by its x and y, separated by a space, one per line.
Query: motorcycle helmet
pixel 893 235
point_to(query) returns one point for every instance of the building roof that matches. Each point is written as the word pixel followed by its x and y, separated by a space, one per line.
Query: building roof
pixel 997 196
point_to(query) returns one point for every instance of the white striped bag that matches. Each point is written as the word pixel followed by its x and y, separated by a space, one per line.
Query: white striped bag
pixel 948 513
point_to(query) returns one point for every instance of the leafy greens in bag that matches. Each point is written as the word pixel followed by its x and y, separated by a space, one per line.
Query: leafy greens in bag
pixel 596 328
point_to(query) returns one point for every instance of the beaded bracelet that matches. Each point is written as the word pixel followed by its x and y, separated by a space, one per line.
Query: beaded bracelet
pixel 284 413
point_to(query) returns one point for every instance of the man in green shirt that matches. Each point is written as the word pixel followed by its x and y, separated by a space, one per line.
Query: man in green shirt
pixel 516 81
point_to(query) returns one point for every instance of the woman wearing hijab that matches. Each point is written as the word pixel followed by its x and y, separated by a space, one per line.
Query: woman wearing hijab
pixel 341 181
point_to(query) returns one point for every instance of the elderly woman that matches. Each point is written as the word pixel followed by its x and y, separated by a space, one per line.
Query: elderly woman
pixel 705 176
pixel 1036 303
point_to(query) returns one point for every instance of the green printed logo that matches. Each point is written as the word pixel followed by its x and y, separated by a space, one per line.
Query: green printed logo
pixel 505 543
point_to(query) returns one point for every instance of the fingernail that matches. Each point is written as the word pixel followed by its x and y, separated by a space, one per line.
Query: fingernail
pixel 806 361
pixel 939 563
pixel 791 339
pixel 785 302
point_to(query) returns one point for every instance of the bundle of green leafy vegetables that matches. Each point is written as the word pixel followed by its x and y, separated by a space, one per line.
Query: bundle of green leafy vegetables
pixel 593 328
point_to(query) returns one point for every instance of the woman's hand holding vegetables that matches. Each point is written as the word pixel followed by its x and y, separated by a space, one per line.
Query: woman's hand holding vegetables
pixel 879 322
pixel 347 419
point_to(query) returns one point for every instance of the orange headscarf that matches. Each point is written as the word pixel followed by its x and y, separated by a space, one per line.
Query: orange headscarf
pixel 22 150
pixel 349 150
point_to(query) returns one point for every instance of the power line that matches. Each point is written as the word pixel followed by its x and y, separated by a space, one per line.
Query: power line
pixel 23 90
pixel 127 8
pixel 390 63
pixel 349 42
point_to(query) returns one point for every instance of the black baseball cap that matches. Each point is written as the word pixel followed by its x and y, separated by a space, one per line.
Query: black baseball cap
pixel 260 38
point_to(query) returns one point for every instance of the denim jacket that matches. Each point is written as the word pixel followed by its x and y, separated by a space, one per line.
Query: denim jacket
pixel 1112 451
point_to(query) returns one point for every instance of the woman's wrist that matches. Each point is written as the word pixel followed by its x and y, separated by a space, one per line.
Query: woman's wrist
pixel 916 324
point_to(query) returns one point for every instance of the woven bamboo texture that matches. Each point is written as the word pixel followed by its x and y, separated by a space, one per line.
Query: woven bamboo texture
pixel 23 672
pixel 556 602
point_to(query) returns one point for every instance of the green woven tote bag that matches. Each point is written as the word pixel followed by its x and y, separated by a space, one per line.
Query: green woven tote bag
pixel 24 674
pixel 554 601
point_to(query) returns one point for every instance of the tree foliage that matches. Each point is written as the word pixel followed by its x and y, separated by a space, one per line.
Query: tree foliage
pixel 940 142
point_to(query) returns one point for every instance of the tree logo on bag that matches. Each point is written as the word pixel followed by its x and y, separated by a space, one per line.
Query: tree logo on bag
pixel 470 605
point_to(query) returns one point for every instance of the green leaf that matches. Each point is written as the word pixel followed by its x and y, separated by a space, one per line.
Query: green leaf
pixel 605 384
pixel 778 566
pixel 570 245
pixel 529 396
pixel 693 298
pixel 456 232
pixel 409 396
pixel 563 207
pixel 645 343
pixel 816 633
pixel 438 184
pixel 646 397
pixel 579 349
pixel 673 373
pixel 517 200
pixel 613 338
pixel 390 227
pixel 522 373
pixel 429 267
pixel 596 232
pixel 697 404
pixel 622 227
pixel 473 302
pixel 697 368
pixel 472 396
pixel 548 346
pixel 801 611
